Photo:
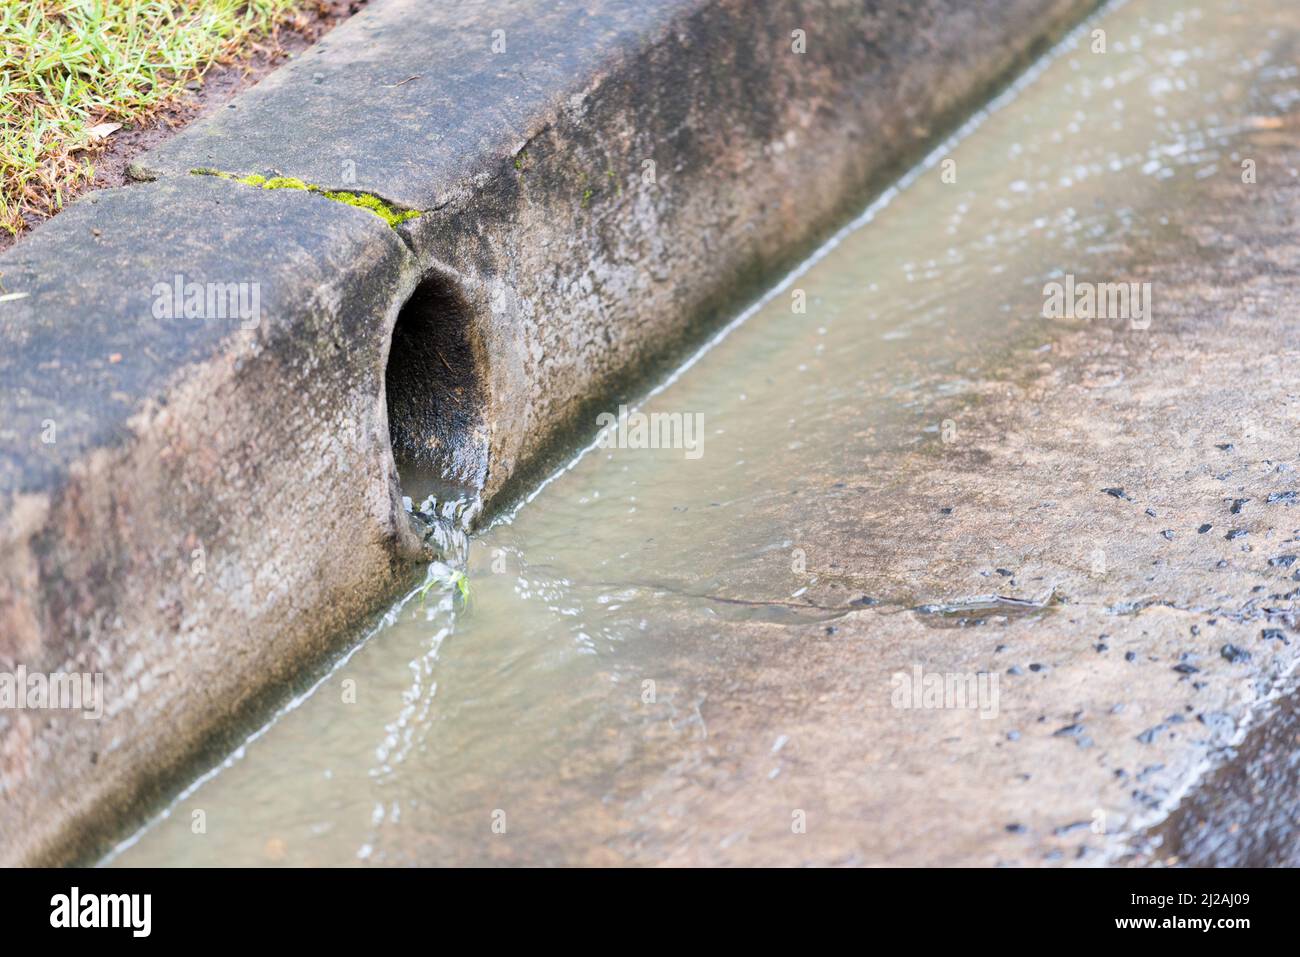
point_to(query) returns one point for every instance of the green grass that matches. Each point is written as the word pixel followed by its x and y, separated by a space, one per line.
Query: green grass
pixel 70 66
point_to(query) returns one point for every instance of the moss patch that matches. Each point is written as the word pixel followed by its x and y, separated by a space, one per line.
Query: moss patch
pixel 388 213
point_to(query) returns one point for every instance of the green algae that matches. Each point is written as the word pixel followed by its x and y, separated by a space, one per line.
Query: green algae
pixel 390 214
pixel 387 213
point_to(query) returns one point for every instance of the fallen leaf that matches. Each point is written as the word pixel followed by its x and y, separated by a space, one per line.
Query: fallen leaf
pixel 99 133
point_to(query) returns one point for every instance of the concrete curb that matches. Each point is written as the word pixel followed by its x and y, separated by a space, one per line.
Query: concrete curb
pixel 198 508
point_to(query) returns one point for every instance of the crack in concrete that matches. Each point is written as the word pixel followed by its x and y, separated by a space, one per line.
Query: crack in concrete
pixel 969 607
pixel 391 213
pixel 1242 615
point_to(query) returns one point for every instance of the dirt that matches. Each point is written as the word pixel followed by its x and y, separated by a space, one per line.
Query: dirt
pixel 217 87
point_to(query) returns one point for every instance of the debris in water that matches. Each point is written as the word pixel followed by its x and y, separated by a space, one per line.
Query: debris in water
pixel 1069 828
pixel 1149 735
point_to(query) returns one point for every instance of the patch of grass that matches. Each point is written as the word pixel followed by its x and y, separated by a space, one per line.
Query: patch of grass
pixel 67 67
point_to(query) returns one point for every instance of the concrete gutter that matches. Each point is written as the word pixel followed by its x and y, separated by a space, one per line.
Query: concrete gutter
pixel 202 508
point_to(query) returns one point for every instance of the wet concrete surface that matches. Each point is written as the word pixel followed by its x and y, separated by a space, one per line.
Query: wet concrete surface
pixel 203 511
pixel 604 182
pixel 153 524
pixel 668 659
pixel 1245 813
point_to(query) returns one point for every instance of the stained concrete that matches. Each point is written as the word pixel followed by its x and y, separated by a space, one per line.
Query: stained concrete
pixel 621 174
pixel 177 492
pixel 1108 530
pixel 1244 814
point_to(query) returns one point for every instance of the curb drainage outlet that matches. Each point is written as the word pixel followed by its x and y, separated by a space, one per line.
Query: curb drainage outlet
pixel 435 394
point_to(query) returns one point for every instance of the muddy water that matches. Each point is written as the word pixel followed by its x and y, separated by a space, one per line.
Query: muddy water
pixel 553 704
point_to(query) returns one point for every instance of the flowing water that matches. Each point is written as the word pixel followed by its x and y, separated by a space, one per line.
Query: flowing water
pixel 559 692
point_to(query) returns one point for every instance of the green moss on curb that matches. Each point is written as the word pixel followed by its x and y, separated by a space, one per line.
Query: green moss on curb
pixel 283 182
pixel 373 203
pixel 389 214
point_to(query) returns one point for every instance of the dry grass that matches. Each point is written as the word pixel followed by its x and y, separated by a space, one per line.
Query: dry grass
pixel 68 67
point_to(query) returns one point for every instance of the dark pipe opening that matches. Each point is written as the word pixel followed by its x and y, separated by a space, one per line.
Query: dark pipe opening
pixel 435 395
